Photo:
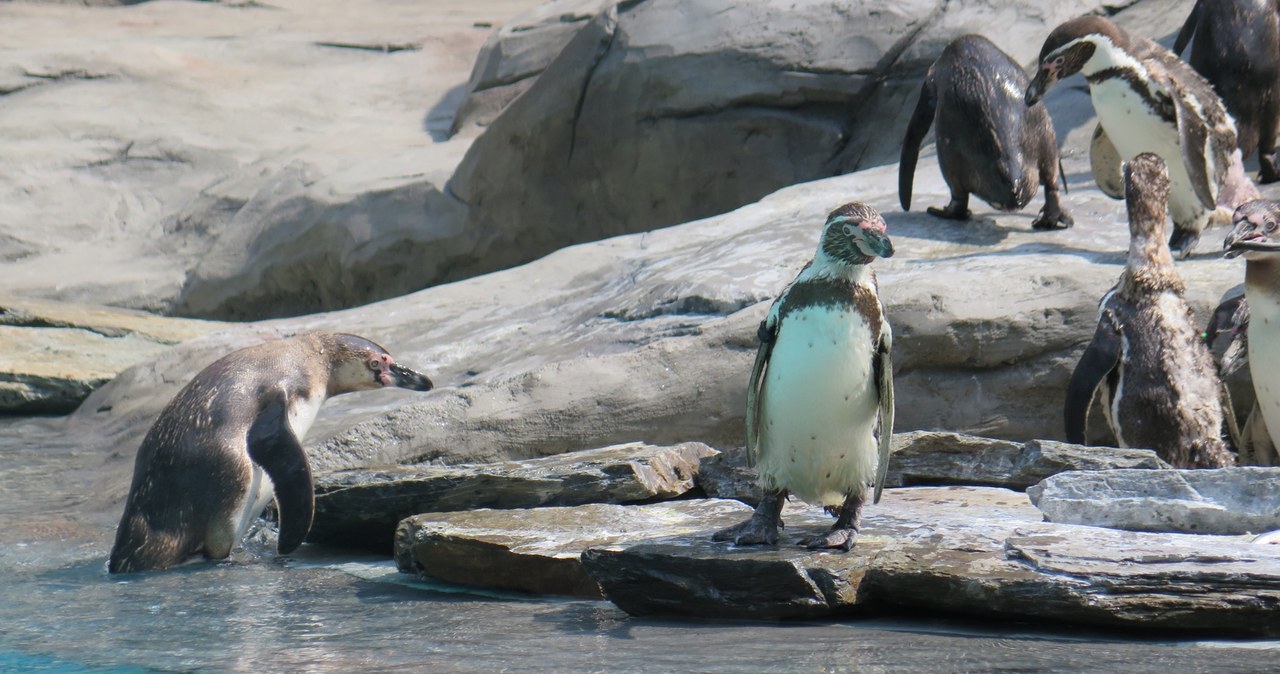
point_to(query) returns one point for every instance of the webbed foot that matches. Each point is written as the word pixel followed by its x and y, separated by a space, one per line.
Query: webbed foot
pixel 1182 242
pixel 1052 219
pixel 836 539
pixel 762 528
pixel 1267 172
pixel 955 210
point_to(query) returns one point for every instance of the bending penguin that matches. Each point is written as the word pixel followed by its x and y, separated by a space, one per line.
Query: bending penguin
pixel 231 438
pixel 1236 47
pixel 822 386
pixel 1254 237
pixel 1160 387
pixel 989 142
pixel 1147 100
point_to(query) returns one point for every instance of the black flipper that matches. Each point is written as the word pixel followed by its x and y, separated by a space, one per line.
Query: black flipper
pixel 1099 359
pixel 1188 29
pixel 917 129
pixel 273 446
pixel 767 333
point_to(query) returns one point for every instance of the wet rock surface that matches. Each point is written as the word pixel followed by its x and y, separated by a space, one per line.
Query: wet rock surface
pixel 361 508
pixel 1225 501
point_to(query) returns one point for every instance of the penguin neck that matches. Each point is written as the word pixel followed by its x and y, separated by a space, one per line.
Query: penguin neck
pixel 1108 55
pixel 1149 266
pixel 825 267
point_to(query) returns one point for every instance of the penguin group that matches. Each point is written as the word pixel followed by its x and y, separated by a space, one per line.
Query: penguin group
pixel 820 396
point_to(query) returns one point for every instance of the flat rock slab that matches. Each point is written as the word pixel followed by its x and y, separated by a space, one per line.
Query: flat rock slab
pixel 538 550
pixel 53 354
pixel 978 551
pixel 1227 501
pixel 933 458
pixel 363 507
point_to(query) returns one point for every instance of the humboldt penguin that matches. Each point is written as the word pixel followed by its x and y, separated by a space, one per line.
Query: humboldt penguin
pixel 1237 49
pixel 1254 237
pixel 1231 319
pixel 1160 387
pixel 989 143
pixel 232 438
pixel 821 389
pixel 1147 100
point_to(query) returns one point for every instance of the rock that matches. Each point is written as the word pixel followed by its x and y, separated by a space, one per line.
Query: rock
pixel 932 458
pixel 361 508
pixel 53 354
pixel 626 129
pixel 1222 501
pixel 538 550
pixel 970 550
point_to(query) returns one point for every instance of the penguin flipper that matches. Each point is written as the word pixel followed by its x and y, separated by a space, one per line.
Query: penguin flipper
pixel 1099 359
pixel 884 383
pixel 768 333
pixel 273 446
pixel 1205 157
pixel 1106 164
pixel 917 129
pixel 1188 29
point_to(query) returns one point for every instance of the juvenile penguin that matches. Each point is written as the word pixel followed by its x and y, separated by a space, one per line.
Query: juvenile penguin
pixel 1160 388
pixel 1254 236
pixel 1147 100
pixel 822 386
pixel 989 142
pixel 231 437
pixel 1236 47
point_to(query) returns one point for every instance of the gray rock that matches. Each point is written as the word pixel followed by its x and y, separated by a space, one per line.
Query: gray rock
pixel 931 458
pixel 538 550
pixel 360 508
pixel 1224 501
pixel 975 551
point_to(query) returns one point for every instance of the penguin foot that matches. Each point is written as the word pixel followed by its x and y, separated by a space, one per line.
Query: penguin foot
pixel 755 531
pixel 1182 242
pixel 1050 220
pixel 953 211
pixel 1267 172
pixel 838 538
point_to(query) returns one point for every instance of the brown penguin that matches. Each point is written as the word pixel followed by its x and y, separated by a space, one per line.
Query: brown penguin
pixel 989 142
pixel 1160 387
pixel 233 436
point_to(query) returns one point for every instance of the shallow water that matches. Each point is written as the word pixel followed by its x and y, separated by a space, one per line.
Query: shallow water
pixel 324 610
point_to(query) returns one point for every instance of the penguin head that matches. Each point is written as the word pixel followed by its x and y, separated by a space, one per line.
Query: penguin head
pixel 1068 48
pixel 855 234
pixel 358 364
pixel 1254 231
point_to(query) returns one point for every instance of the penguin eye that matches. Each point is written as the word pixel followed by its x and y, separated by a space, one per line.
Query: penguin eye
pixel 375 364
pixel 1059 60
pixel 1269 227
pixel 848 229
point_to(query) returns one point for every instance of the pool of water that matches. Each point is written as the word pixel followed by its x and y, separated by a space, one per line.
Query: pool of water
pixel 326 610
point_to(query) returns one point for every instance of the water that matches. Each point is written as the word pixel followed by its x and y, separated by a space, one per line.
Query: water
pixel 325 610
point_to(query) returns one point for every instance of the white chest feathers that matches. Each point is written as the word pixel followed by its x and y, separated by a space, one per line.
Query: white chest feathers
pixel 819 406
pixel 1264 355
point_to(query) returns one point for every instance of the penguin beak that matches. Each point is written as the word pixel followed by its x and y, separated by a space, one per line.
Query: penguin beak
pixel 1250 233
pixel 403 377
pixel 1044 79
pixel 875 242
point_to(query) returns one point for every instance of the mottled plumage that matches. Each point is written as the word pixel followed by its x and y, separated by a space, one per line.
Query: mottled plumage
pixel 822 385
pixel 1160 387
pixel 232 438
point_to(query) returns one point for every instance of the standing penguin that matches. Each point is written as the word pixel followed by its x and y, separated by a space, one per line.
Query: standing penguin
pixel 1231 318
pixel 1147 100
pixel 1237 49
pixel 198 480
pixel 1160 388
pixel 989 143
pixel 1254 236
pixel 822 384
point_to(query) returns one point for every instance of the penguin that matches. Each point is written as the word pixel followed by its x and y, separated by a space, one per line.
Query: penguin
pixel 1231 319
pixel 232 438
pixel 1253 236
pixel 1237 49
pixel 989 143
pixel 1147 100
pixel 1160 387
pixel 822 386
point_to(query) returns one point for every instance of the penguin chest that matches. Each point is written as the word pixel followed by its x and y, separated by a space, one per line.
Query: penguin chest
pixel 1264 356
pixel 1134 126
pixel 819 405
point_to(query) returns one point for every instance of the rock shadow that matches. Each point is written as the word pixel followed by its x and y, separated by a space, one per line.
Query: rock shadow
pixel 978 230
pixel 438 122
